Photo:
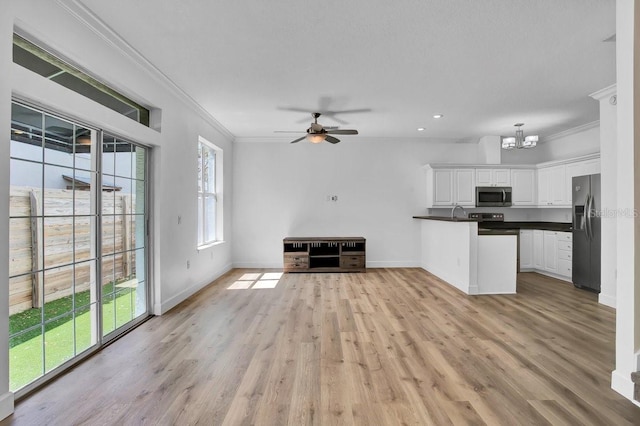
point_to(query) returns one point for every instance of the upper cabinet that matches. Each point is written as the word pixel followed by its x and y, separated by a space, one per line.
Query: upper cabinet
pixel 543 185
pixel 580 168
pixel 464 187
pixel 555 182
pixel 448 187
pixel 439 187
pixel 523 183
pixel 552 189
pixel 493 177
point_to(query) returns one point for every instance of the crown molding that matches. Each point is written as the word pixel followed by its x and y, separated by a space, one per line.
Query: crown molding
pixel 571 131
pixel 114 40
pixel 606 92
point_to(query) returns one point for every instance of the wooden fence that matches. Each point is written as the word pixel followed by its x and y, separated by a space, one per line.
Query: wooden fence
pixel 40 246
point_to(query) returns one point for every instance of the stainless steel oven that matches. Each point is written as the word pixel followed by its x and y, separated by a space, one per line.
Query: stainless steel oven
pixel 493 196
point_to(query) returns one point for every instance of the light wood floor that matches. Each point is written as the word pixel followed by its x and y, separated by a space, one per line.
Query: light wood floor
pixel 389 347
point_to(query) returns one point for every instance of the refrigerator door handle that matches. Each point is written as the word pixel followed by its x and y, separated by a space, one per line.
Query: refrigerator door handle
pixel 588 216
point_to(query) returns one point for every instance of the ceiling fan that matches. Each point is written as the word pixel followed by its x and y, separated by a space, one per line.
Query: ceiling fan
pixel 317 133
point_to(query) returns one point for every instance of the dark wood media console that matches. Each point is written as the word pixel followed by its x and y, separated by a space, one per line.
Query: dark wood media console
pixel 341 254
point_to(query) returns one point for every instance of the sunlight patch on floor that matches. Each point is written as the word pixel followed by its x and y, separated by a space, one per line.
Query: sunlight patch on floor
pixel 256 281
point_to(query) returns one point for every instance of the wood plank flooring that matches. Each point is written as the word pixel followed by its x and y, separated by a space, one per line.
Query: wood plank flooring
pixel 389 347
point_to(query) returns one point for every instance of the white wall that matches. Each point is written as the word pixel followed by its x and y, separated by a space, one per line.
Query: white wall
pixel 173 157
pixel 628 197
pixel 280 190
pixel 609 182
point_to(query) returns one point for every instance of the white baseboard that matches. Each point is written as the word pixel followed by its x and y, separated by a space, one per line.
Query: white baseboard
pixel 607 300
pixel 622 384
pixel 393 264
pixel 370 264
pixel 6 405
pixel 257 265
pixel 172 302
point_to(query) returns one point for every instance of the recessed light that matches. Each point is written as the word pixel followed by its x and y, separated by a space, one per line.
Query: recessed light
pixel 438 116
pixel 421 129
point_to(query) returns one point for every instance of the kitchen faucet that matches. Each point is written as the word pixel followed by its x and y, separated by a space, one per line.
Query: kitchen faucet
pixel 453 211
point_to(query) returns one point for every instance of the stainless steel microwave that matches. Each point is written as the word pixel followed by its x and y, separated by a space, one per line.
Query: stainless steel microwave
pixel 493 196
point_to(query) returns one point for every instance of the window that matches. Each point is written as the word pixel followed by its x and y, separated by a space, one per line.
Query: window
pixel 40 61
pixel 209 193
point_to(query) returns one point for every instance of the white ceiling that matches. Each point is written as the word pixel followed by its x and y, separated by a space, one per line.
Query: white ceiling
pixel 484 64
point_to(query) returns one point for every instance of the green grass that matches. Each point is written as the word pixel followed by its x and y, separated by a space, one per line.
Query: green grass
pixel 63 337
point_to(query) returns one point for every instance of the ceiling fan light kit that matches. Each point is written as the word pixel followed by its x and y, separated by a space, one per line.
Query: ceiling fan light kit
pixel 519 141
pixel 317 133
pixel 315 138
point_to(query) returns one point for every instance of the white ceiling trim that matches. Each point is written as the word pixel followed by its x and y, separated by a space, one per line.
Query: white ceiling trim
pixel 351 139
pixel 97 26
pixel 572 131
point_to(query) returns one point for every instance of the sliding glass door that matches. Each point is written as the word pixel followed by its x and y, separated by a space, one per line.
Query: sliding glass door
pixel 77 242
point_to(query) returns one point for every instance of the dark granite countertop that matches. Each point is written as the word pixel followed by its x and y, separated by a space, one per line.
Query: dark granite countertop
pixel 446 218
pixel 545 226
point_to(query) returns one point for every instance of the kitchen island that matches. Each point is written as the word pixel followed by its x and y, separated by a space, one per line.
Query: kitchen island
pixel 453 251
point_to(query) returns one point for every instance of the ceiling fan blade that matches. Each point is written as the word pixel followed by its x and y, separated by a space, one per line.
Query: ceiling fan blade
pixel 331 139
pixel 347 111
pixel 298 140
pixel 342 132
pixel 288 131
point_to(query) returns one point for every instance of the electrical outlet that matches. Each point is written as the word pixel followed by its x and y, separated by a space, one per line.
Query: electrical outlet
pixel 188 264
pixel 179 219
pixel 334 198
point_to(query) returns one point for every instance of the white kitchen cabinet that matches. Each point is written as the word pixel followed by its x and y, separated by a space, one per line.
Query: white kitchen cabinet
pixel 523 187
pixel 526 249
pixel 580 168
pixel 493 177
pixel 552 188
pixel 439 187
pixel 448 187
pixel 464 187
pixel 565 253
pixel 538 249
pixel 550 251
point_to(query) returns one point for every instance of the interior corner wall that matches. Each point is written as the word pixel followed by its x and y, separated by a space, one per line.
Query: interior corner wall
pixel 282 190
pixel 173 159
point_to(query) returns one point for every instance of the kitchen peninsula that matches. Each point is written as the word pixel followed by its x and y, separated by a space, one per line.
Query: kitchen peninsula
pixel 453 250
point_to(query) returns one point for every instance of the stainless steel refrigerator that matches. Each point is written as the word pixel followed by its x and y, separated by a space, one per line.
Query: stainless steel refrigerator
pixel 586 232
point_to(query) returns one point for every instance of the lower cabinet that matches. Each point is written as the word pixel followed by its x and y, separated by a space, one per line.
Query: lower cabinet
pixel 345 254
pixel 526 249
pixel 538 249
pixel 550 251
pixel 547 252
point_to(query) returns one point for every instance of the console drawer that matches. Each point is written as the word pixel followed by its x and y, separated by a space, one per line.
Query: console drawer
pixel 352 262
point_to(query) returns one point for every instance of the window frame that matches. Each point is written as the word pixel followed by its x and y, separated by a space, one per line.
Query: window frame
pixel 215 191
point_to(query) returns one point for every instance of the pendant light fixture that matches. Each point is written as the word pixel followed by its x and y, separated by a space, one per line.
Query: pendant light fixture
pixel 519 141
